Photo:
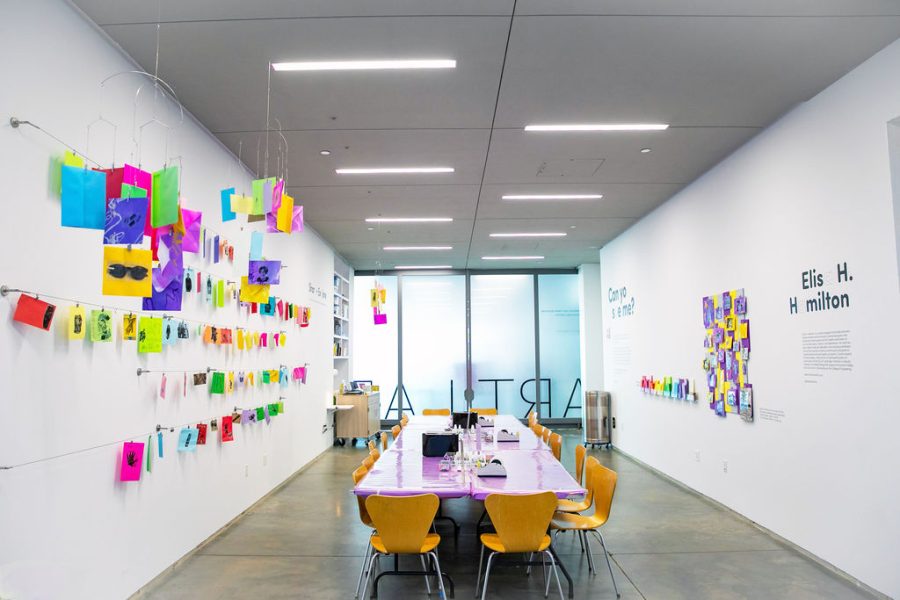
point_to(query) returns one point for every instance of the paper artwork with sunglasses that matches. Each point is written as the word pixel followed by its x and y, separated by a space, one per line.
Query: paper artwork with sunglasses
pixel 264 272
pixel 125 219
pixel 126 272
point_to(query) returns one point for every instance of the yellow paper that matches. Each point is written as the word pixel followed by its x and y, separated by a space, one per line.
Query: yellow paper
pixel 250 378
pixel 373 297
pixel 241 204
pixel 132 265
pixel 282 339
pixel 77 323
pixel 273 376
pixel 129 327
pixel 285 214
pixel 240 339
pixel 256 338
pixel 253 293
pixel 383 293
pixel 745 332
pixel 70 159
pixel 229 382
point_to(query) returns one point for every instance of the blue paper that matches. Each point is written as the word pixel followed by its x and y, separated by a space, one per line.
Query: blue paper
pixel 267 309
pixel 159 443
pixel 187 439
pixel 83 198
pixel 256 242
pixel 125 219
pixel 216 249
pixel 227 213
pixel 283 377
pixel 170 331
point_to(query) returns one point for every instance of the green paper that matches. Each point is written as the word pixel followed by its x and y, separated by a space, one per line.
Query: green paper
pixel 149 335
pixel 265 377
pixel 164 207
pixel 259 185
pixel 217 385
pixel 101 326
pixel 220 293
pixel 132 191
pixel 149 452
pixel 281 408
pixel 273 410
pixel 260 414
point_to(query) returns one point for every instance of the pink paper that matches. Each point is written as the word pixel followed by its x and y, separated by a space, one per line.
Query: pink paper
pixel 162 386
pixel 184 388
pixel 380 318
pixel 132 461
pixel 297 219
pixel 192 220
pixel 263 340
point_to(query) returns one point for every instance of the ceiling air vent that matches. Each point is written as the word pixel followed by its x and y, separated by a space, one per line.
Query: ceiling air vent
pixel 570 167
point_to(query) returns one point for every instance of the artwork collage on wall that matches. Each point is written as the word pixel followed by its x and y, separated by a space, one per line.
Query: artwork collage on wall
pixel 727 354
pixel 668 387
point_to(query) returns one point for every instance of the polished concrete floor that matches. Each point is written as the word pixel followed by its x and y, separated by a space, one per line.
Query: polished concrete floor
pixel 305 541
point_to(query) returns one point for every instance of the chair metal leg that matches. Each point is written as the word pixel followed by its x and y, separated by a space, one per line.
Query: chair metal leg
pixel 425 569
pixel 437 567
pixel 369 573
pixel 362 568
pixel 544 572
pixel 487 573
pixel 581 541
pixel 480 563
pixel 608 564
pixel 528 570
pixel 556 573
pixel 590 553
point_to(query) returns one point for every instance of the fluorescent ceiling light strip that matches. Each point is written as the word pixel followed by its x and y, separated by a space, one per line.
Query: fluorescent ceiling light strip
pixel 418 248
pixel 552 196
pixel 527 235
pixel 512 258
pixel 409 220
pixel 599 127
pixel 393 170
pixel 365 65
pixel 410 267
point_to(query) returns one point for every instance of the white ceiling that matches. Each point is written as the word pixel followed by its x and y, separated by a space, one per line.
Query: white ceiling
pixel 717 70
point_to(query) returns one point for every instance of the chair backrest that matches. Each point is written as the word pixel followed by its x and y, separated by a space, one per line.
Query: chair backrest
pixel 545 435
pixel 537 428
pixel 532 419
pixel 368 462
pixel 485 411
pixel 556 445
pixel 590 467
pixel 395 431
pixel 371 445
pixel 384 441
pixel 358 475
pixel 521 521
pixel 402 522
pixel 436 412
pixel 603 487
pixel 404 421
pixel 580 452
pixel 374 453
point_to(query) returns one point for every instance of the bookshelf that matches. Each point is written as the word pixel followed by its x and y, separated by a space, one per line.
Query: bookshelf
pixel 341 317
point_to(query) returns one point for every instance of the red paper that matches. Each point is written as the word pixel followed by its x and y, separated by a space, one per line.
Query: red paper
pixel 201 433
pixel 113 182
pixel 227 430
pixel 34 312
pixel 280 306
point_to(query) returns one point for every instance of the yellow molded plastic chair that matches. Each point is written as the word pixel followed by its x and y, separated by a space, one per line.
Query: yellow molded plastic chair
pixel 384 440
pixel 532 419
pixel 485 411
pixel 577 506
pixel 374 453
pixel 580 453
pixel 404 421
pixel 436 412
pixel 403 524
pixel 602 487
pixel 395 431
pixel 556 445
pixel 537 429
pixel 358 475
pixel 368 462
pixel 521 523
pixel 545 435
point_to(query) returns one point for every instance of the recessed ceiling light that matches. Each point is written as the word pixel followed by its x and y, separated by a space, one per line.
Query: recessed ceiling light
pixel 410 267
pixel 512 258
pixel 325 152
pixel 409 220
pixel 525 235
pixel 599 127
pixel 552 196
pixel 571 226
pixel 365 65
pixel 370 228
pixel 646 150
pixel 418 248
pixel 393 170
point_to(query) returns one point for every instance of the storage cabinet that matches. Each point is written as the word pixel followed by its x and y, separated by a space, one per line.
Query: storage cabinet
pixel 363 420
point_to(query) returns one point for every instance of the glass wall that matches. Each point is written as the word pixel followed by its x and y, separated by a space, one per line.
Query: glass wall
pixel 503 342
pixel 374 347
pixel 434 341
pixel 560 344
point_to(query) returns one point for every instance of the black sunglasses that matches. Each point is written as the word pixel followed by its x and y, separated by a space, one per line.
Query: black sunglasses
pixel 119 271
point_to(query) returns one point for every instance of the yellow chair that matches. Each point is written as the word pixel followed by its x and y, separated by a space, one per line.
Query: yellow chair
pixel 602 487
pixel 402 524
pixel 521 523
pixel 374 453
pixel 485 411
pixel 436 412
pixel 404 421
pixel 368 462
pixel 358 475
pixel 577 506
pixel 537 428
pixel 556 445
pixel 395 431
pixel 580 453
pixel 545 435
pixel 532 419
pixel 384 441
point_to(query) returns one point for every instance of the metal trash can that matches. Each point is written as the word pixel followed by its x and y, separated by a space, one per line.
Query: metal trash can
pixel 597 430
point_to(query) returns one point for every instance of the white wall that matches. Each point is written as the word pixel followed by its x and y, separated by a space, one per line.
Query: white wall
pixel 68 529
pixel 811 191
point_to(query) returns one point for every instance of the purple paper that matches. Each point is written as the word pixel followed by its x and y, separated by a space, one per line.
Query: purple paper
pixel 740 305
pixel 745 341
pixel 171 263
pixel 169 299
pixel 264 272
pixel 247 416
pixel 726 303
pixel 709 312
pixel 191 220
pixel 125 219
pixel 215 249
pixel 297 219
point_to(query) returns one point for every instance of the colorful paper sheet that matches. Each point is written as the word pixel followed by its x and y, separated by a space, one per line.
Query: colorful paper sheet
pixel 126 272
pixel 132 461
pixel 227 429
pixel 262 195
pixel 227 213
pixel 101 326
pixel 77 323
pixel 241 204
pixel 164 205
pixel 187 439
pixel 253 293
pixel 149 335
pixel 168 300
pixel 217 385
pixel 34 312
pixel 192 221
pixel 263 272
pixel 201 434
pixel 125 220
pixel 129 326
pixel 83 198
pixel 256 245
